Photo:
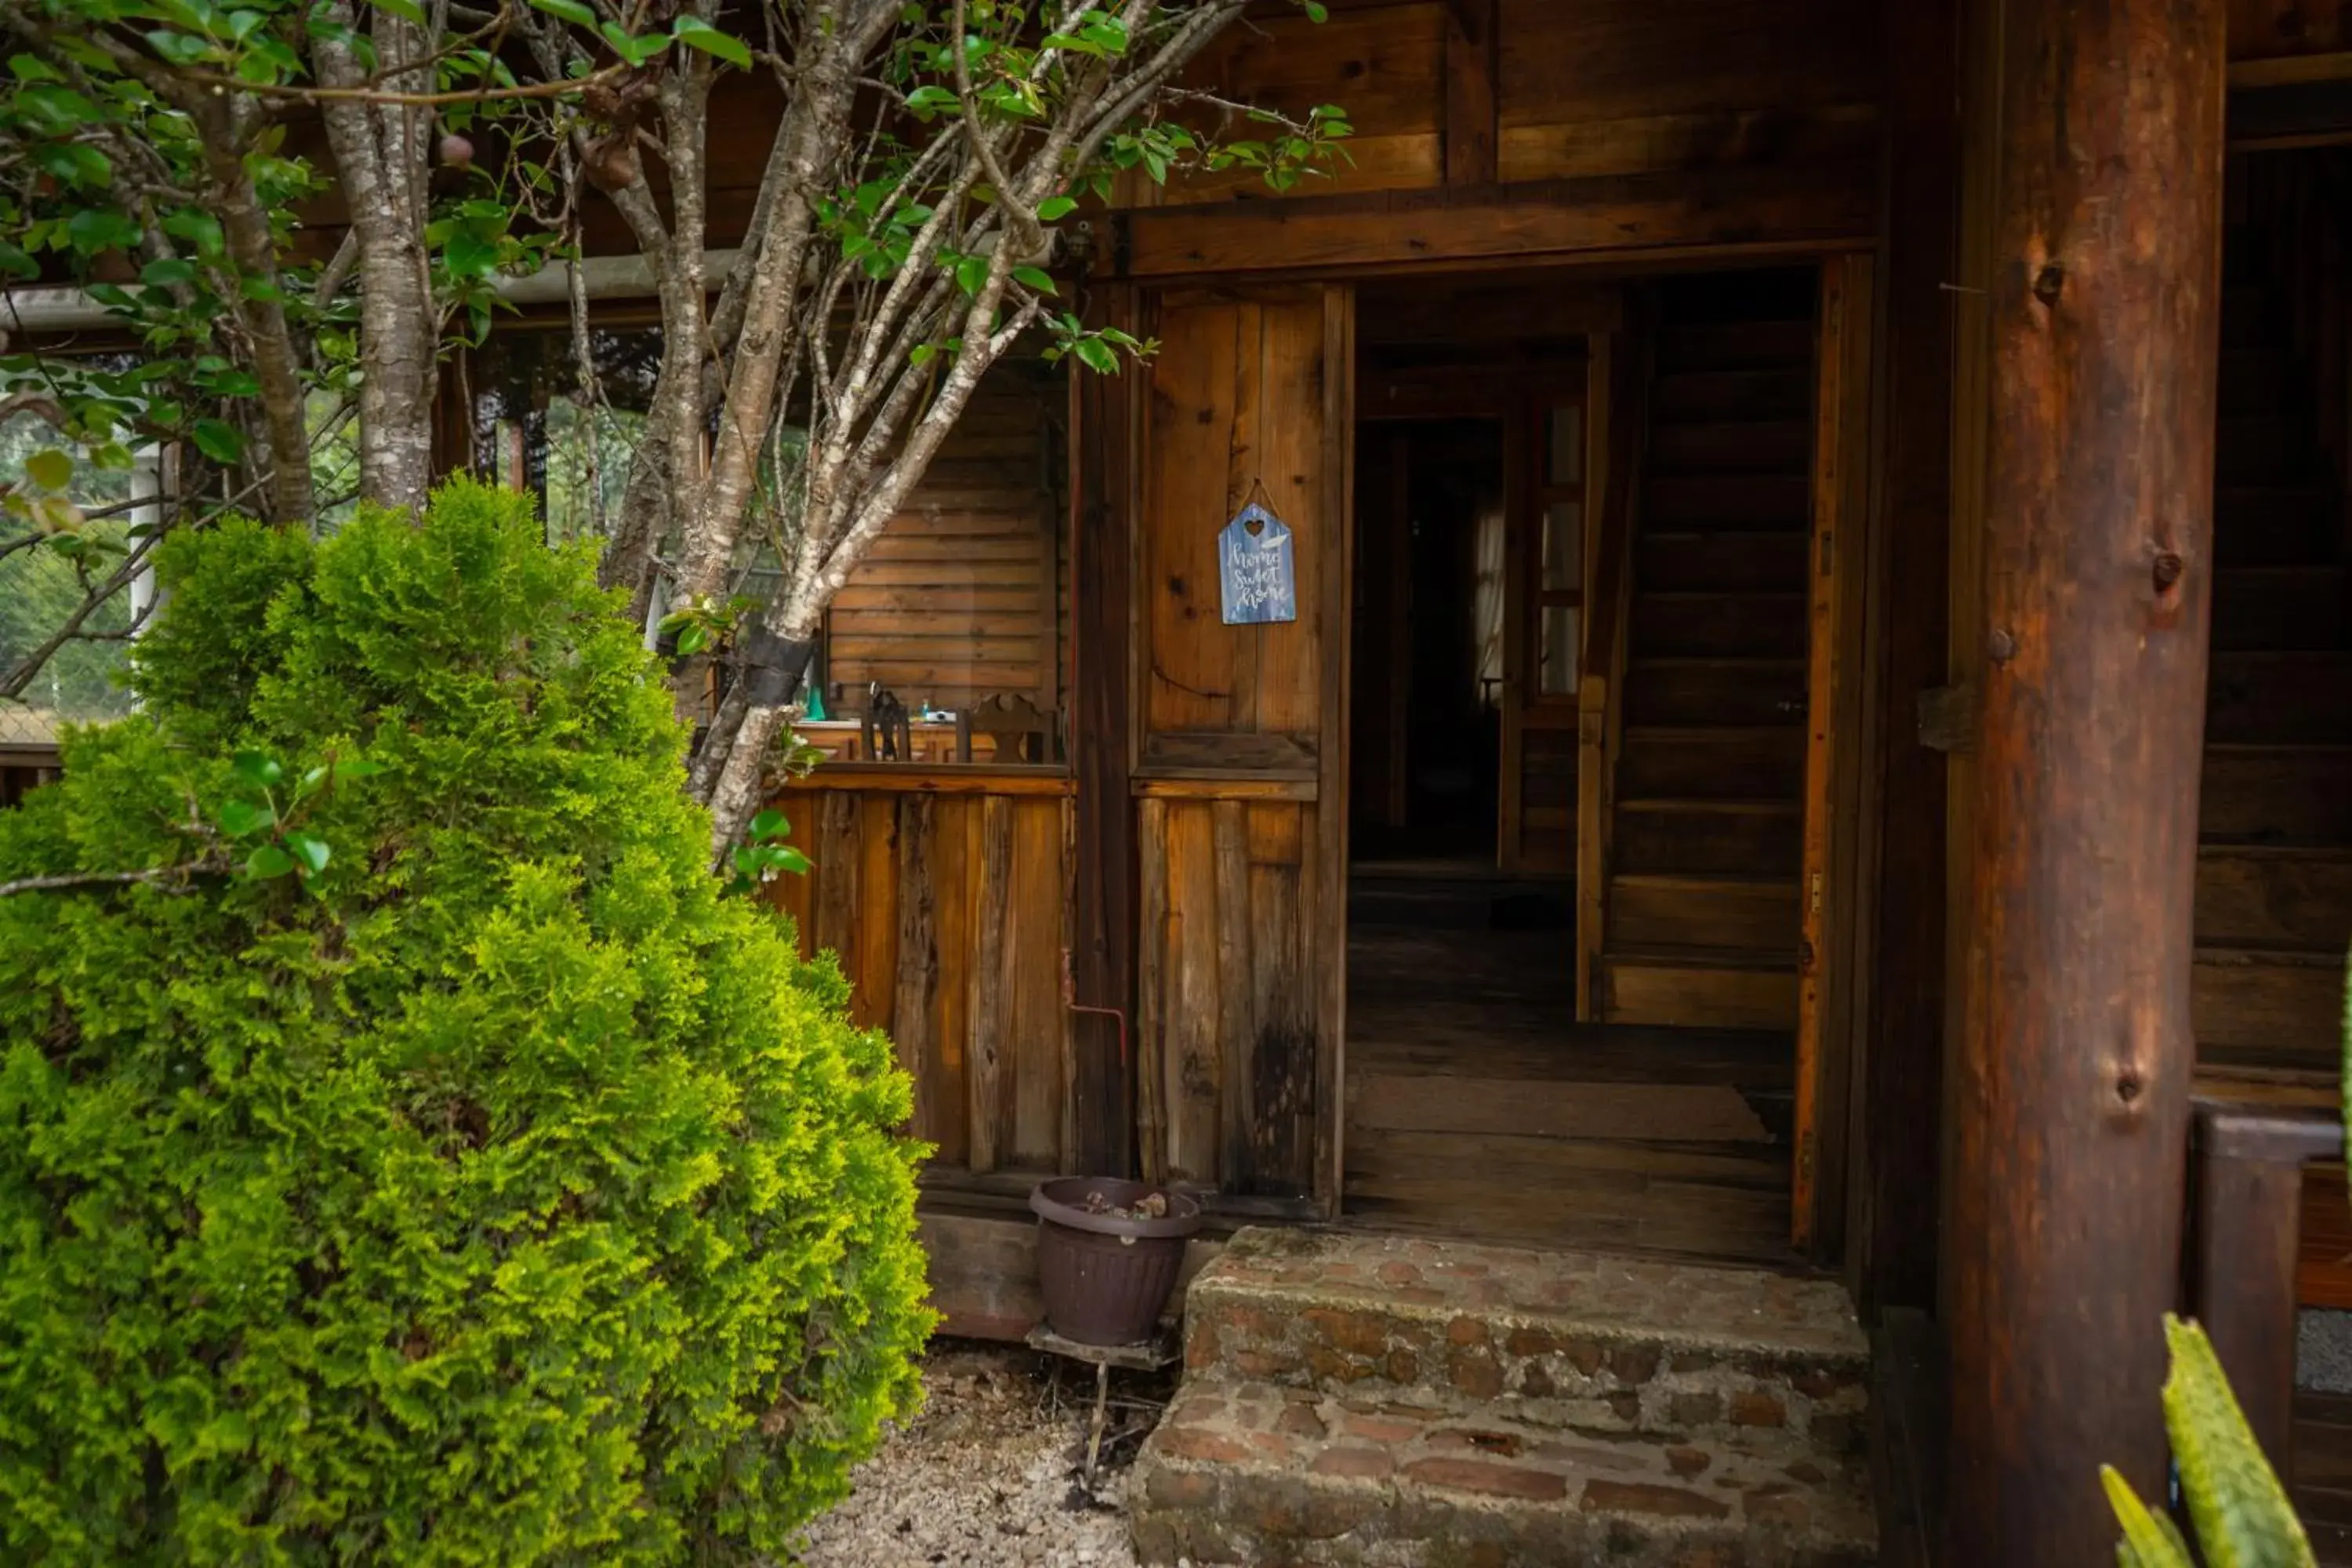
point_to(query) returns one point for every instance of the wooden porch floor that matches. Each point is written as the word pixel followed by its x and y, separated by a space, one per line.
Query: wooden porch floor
pixel 1477 1108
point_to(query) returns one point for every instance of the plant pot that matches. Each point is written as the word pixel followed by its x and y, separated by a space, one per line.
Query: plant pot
pixel 1105 1276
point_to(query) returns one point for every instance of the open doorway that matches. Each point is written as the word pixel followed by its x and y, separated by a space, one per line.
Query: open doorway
pixel 1579 611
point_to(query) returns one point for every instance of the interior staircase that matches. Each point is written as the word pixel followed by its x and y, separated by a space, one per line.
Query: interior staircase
pixel 1354 1399
pixel 1701 922
pixel 2275 856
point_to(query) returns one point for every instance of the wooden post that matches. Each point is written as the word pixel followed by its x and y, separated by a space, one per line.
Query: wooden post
pixel 2073 1063
pixel 1102 872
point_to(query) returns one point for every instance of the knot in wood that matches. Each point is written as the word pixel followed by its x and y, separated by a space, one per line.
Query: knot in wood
pixel 2128 1086
pixel 2048 282
pixel 2168 568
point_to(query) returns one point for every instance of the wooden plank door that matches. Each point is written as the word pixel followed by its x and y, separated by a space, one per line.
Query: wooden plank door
pixel 1240 752
pixel 1548 450
pixel 1831 967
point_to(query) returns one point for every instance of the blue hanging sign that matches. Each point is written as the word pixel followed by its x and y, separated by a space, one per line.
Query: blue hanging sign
pixel 1256 569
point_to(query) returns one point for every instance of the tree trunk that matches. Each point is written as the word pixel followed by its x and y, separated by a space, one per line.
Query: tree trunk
pixel 2073 1062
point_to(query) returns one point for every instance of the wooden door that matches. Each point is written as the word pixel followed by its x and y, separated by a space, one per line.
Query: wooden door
pixel 1240 752
pixel 1832 960
pixel 1547 448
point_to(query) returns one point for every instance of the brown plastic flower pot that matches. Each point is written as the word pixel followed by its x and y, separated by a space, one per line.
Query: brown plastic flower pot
pixel 1105 1276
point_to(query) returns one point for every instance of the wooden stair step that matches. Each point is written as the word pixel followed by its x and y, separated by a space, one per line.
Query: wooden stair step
pixel 2278 607
pixel 1753 763
pixel 1715 691
pixel 1732 447
pixel 1672 501
pixel 2285 793
pixel 1699 987
pixel 1735 345
pixel 1699 561
pixel 2263 897
pixel 2273 525
pixel 1732 625
pixel 1755 836
pixel 2262 446
pixel 1719 395
pixel 2255 380
pixel 2285 1007
pixel 1715 910
pixel 2274 697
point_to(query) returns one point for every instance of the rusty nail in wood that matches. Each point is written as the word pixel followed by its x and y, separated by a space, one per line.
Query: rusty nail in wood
pixel 2048 282
pixel 2168 567
pixel 2000 647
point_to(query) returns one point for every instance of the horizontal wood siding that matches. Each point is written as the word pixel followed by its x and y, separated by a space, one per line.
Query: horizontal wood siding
pixel 962 596
pixel 947 913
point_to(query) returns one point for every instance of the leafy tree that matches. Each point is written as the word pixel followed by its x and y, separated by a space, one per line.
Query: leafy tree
pixel 922 187
pixel 408 1153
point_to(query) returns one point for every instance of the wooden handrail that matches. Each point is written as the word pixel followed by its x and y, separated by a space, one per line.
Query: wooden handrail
pixel 1599 686
pixel 2246 1223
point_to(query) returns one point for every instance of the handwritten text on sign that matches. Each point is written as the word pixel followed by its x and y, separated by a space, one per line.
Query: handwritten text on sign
pixel 1256 569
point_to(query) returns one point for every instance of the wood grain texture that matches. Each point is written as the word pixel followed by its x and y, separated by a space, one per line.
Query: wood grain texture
pixel 2075 1057
pixel 1613 217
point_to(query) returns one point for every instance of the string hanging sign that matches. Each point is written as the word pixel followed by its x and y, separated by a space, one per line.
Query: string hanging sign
pixel 1256 566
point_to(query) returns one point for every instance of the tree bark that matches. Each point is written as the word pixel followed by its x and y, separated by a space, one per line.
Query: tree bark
pixel 2073 1073
pixel 381 154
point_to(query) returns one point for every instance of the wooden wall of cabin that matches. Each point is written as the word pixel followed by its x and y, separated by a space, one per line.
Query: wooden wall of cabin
pixel 964 597
pixel 946 899
pixel 1239 749
pixel 1475 91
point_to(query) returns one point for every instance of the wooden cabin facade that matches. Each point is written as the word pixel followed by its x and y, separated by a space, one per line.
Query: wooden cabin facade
pixel 1817 724
pixel 1822 471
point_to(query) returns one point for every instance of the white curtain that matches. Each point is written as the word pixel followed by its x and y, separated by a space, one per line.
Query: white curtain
pixel 1486 602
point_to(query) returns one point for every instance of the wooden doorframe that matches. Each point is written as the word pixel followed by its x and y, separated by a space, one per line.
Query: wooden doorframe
pixel 1841 800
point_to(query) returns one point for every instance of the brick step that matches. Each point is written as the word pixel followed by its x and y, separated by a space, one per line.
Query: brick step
pixel 1248 1471
pixel 1582 1340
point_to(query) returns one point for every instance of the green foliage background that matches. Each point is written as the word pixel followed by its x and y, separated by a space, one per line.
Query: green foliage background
pixel 502 1193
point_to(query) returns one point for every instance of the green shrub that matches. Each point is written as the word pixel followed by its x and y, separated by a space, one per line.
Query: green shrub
pixel 499 1194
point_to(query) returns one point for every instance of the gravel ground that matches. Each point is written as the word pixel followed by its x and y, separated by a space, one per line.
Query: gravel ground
pixel 987 1474
pixel 2322 1351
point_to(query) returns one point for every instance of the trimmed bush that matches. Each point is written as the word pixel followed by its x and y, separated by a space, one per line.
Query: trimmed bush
pixel 500 1193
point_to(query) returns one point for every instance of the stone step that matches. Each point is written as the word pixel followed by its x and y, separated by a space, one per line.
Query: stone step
pixel 1252 1471
pixel 1639 1349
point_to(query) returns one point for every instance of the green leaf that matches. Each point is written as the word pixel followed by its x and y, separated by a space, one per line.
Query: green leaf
pixel 166 271
pixel 406 10
pixel 217 440
pixel 695 33
pixel 1095 355
pixel 308 851
pixel 243 818
pixel 971 272
pixel 32 67
pixel 258 768
pixel 2242 1513
pixel 787 858
pixel 2145 1543
pixel 267 860
pixel 1034 278
pixel 357 768
pixel 693 639
pixel 570 10
pixel 769 823
pixel 50 469
pixel 93 229
pixel 199 228
pixel 1053 208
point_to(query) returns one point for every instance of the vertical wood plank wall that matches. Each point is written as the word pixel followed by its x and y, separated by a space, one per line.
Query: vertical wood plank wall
pixel 1241 750
pixel 949 913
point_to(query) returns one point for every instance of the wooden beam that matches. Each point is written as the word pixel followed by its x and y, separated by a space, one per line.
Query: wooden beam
pixel 1895 1125
pixel 2285 70
pixel 1103 897
pixel 1614 217
pixel 1470 36
pixel 2074 1061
